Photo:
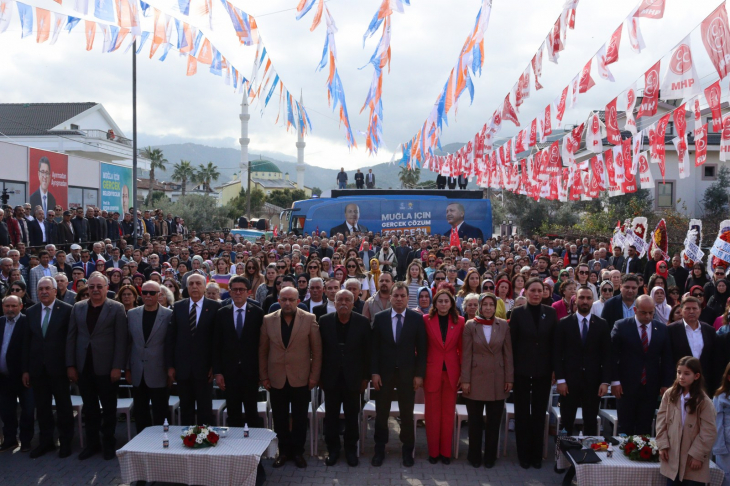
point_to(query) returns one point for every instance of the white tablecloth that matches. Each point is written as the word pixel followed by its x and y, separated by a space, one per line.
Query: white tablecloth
pixel 620 470
pixel 233 461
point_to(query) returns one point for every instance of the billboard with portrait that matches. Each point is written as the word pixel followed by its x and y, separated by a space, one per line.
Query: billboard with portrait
pixel 47 179
pixel 116 187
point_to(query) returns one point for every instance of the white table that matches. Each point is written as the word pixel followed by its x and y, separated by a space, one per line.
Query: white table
pixel 233 461
pixel 619 469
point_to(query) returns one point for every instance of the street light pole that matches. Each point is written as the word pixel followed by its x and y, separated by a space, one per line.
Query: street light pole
pixel 134 142
pixel 248 195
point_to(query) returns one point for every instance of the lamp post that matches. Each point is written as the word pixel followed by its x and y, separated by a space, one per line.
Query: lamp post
pixel 134 143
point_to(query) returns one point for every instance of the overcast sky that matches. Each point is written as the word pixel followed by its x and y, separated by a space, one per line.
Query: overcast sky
pixel 426 40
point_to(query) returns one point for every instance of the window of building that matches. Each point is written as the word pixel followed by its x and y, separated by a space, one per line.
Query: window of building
pixel 16 191
pixel 709 172
pixel 708 120
pixel 665 195
pixel 82 197
pixel 74 126
pixel 670 128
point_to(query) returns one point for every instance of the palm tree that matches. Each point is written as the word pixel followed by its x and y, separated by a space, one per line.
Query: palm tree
pixel 206 174
pixel 184 172
pixel 157 161
pixel 409 177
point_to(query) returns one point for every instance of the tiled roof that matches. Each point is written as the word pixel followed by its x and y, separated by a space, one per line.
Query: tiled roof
pixel 18 119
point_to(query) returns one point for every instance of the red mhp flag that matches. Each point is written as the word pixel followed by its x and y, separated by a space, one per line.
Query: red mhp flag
pixel 680 120
pixel 547 125
pixel 586 81
pixel 629 184
pixel 725 139
pixel 598 173
pixel 651 9
pixel 716 38
pixel 508 111
pixel 713 93
pixel 560 105
pixel 651 91
pixel 681 80
pixel 612 131
pixel 533 133
pixel 537 68
pixel 701 146
pixel 613 46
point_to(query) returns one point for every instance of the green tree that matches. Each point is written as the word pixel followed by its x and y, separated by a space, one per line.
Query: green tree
pixel 157 161
pixel 237 206
pixel 183 172
pixel 284 198
pixel 207 174
pixel 409 177
pixel 316 191
pixel 715 201
pixel 201 213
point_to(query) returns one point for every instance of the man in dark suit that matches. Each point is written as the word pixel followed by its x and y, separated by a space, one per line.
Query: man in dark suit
pixel 96 353
pixel 617 260
pixel 345 374
pixel 65 231
pixel 359 179
pixel 316 292
pixel 4 232
pixel 44 368
pixel 440 182
pixel 370 179
pixel 679 273
pixel 80 226
pixel 633 263
pixel 13 328
pixel 188 352
pixel 40 230
pixel 243 222
pixel 621 306
pixel 351 224
pixel 582 354
pixel 642 367
pixel 236 361
pixel 355 288
pixel 85 264
pixel 42 197
pixel 455 217
pixel 690 337
pixel 94 228
pixel 398 361
pixel 451 181
pixel 328 306
pixel 113 227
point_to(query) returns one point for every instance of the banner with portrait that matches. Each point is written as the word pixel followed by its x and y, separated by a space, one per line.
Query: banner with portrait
pixel 47 179
pixel 116 187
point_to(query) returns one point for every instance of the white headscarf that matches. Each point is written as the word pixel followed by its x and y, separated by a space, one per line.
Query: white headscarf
pixel 662 310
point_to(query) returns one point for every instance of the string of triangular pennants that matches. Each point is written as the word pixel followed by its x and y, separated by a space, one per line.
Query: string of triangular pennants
pixel 117 19
pixel 544 174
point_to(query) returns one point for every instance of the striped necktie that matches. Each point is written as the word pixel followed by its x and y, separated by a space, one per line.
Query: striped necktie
pixel 193 318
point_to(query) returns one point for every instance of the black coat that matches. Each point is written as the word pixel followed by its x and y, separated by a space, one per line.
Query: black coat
pixel 236 358
pixel 14 356
pixel 532 348
pixel 36 233
pixel 408 355
pixel 94 229
pixel 613 310
pixel 580 364
pixel 46 353
pixel 191 355
pixel 617 262
pixel 81 229
pixel 64 236
pixel 680 348
pixel 4 234
pixel 354 360
pixel 633 266
pixel 628 357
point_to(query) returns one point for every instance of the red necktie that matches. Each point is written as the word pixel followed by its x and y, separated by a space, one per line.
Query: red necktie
pixel 645 345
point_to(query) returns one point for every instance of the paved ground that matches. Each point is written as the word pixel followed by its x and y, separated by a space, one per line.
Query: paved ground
pixel 17 469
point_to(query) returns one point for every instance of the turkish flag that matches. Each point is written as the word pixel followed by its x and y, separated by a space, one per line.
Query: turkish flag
pixel 716 38
pixel 713 93
pixel 612 131
pixel 650 9
pixel 651 91
pixel 613 46
pixel 454 238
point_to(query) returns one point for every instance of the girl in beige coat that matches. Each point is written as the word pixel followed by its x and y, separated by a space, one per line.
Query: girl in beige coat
pixel 685 427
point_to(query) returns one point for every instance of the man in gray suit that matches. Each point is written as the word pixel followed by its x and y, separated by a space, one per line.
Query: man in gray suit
pixel 96 352
pixel 44 269
pixel 63 293
pixel 146 370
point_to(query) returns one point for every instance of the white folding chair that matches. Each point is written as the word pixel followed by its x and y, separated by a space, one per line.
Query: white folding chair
pixel 369 411
pixel 124 407
pixel 218 407
pixel 509 413
pixel 174 405
pixel 578 414
pixel 320 415
pixel 77 403
pixel 611 416
pixel 263 409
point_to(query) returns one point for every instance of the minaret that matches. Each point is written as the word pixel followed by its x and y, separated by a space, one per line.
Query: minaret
pixel 300 152
pixel 244 140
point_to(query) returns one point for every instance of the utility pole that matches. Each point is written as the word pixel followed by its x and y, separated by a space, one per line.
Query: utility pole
pixel 134 143
pixel 248 194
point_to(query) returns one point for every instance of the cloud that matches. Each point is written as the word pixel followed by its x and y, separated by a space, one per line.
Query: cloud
pixel 426 40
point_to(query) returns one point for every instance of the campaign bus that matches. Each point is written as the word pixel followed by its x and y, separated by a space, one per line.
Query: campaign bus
pixel 388 211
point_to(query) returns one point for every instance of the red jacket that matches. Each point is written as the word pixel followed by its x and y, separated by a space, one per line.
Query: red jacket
pixel 439 352
pixel 14 230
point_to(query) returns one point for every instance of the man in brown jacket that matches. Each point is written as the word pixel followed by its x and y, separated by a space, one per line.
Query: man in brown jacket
pixel 290 360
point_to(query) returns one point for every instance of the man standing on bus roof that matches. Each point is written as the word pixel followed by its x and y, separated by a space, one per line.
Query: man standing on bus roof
pixel 351 225
pixel 455 217
pixel 342 179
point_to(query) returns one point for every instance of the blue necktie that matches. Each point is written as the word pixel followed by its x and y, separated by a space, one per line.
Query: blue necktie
pixel 398 327
pixel 239 323
pixel 584 331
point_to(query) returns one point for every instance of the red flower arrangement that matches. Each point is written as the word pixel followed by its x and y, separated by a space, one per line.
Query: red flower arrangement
pixel 199 436
pixel 645 453
pixel 640 448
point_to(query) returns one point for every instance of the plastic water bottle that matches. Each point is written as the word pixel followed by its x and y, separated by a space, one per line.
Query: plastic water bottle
pixel 580 434
pixel 166 426
pixel 245 431
pixel 165 441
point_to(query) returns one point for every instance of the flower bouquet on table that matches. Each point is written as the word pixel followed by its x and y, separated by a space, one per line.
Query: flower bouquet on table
pixel 198 436
pixel 640 448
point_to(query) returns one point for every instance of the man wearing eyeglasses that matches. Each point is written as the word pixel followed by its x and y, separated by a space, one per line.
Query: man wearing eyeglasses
pixel 42 197
pixel 146 373
pixel 717 274
pixel 96 353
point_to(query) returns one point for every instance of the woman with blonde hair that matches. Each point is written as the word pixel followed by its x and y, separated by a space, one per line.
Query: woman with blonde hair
pixel 415 279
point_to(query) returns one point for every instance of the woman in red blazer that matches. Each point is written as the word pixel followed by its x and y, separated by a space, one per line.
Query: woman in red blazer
pixel 444 327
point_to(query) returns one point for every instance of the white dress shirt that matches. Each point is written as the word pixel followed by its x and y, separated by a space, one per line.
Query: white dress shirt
pixel 331 307
pixel 694 337
pixel 313 304
pixel 394 321
pixel 198 309
pixel 488 333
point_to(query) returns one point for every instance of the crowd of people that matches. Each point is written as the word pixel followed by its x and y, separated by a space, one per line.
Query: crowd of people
pixel 398 318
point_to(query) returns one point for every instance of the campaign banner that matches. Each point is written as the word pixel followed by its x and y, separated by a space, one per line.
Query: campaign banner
pixel 47 179
pixel 116 188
